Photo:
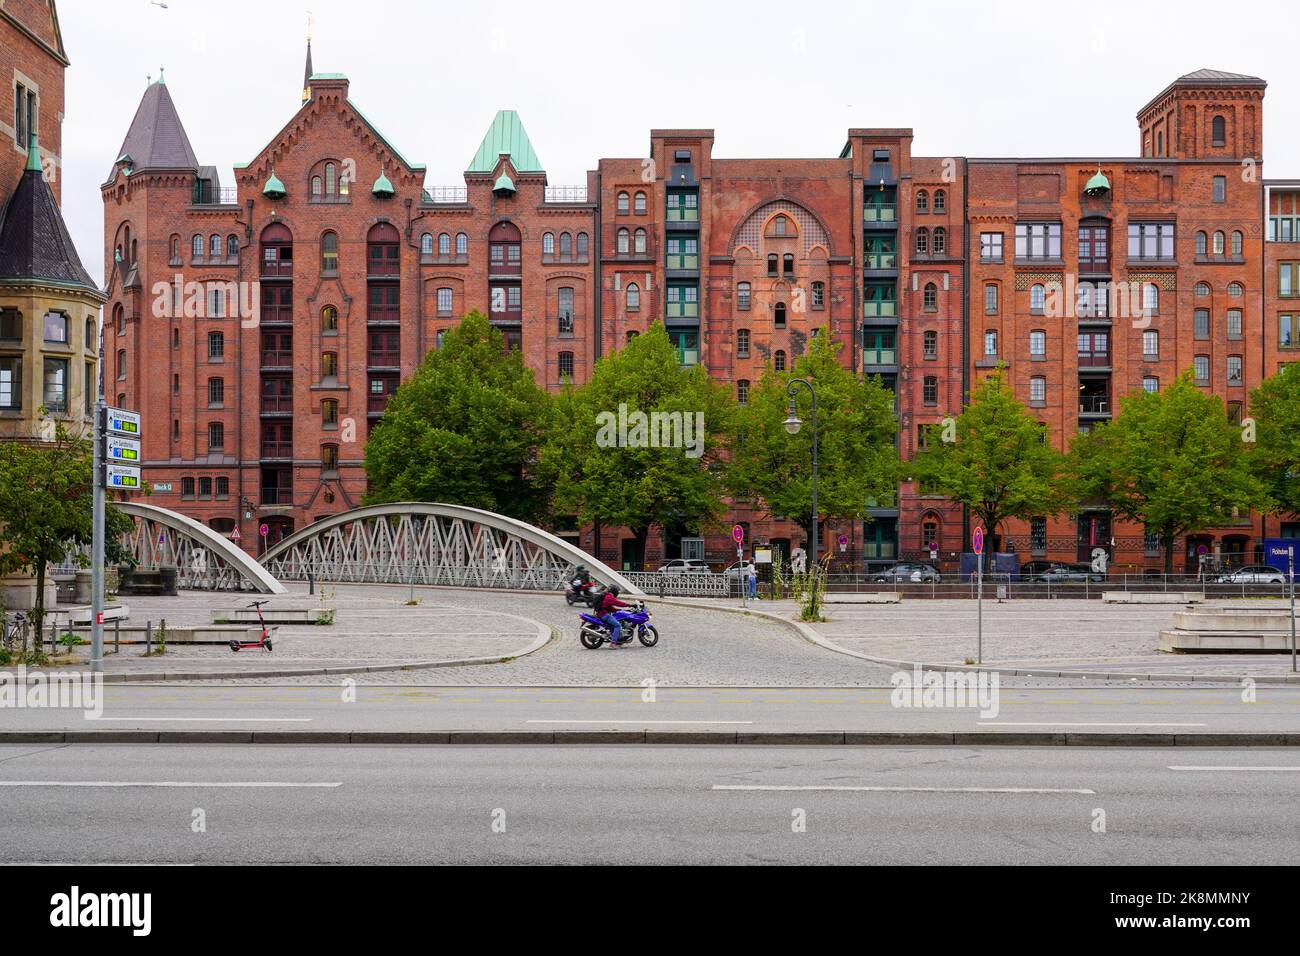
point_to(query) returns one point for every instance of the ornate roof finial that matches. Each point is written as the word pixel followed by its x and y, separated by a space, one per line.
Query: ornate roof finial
pixel 162 80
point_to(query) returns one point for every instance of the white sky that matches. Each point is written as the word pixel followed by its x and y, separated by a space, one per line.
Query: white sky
pixel 591 79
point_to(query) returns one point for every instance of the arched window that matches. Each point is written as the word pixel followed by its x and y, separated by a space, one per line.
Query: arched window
pixel 175 248
pixel 922 201
pixel 1219 245
pixel 930 345
pixel 196 247
pixel 214 246
pixel 329 458
pixel 639 206
pixel 772 264
pixel 426 244
pixel 1218 131
pixel 742 296
pixel 583 243
pixel 566 246
pixel 330 178
pixel 623 200
pixel 623 236
pixel 277 250
pixel 930 297
pixel 1202 289
pixel 564 300
pixel 548 244
pixel 940 241
pixel 930 533
pixel 444 245
pixel 1151 298
pixel 1202 243
pixel 990 298
pixel 1160 143
pixel 1235 248
pixel 232 247
pixel 779 226
pixel 119 320
pixel 640 242
pixel 329 364
pixel 462 244
pixel 922 241
pixel 89 343
pixel 329 412
pixel 742 343
pixel 633 297
pixel 1037 297
pixel 329 252
pixel 742 391
pixel 787 262
pixel 940 200
pixel 778 360
pixel 383 251
pixel 779 315
pixel 329 319
pixel 316 187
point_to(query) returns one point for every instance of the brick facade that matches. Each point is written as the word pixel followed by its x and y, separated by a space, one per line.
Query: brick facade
pixel 743 259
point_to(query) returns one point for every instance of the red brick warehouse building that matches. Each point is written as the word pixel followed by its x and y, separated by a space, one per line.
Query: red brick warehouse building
pixel 360 266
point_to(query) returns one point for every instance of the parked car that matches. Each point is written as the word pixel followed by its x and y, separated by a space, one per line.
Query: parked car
pixel 1066 573
pixel 685 566
pixel 1253 574
pixel 1031 569
pixel 906 572
pixel 740 569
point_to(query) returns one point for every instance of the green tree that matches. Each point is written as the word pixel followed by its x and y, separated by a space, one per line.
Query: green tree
pixel 1274 453
pixel 46 507
pixel 464 429
pixel 1171 460
pixel 638 445
pixel 995 458
pixel 857 460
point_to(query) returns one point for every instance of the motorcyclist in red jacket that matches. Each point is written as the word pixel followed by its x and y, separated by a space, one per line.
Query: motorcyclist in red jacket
pixel 609 603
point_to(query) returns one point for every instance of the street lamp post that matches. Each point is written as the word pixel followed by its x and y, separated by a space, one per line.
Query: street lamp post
pixel 792 425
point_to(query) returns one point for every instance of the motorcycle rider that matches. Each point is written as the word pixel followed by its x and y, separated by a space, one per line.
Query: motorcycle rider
pixel 609 603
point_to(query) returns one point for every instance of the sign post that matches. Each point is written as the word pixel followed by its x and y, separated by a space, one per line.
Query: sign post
pixel 1290 573
pixel 117 459
pixel 738 536
pixel 977 545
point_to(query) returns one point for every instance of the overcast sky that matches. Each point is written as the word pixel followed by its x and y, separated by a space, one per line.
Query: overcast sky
pixel 773 77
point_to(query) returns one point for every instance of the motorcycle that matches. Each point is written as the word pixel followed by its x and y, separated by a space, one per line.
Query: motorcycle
pixel 588 593
pixel 634 620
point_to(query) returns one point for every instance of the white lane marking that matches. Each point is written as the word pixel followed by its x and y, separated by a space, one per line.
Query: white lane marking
pixel 219 720
pixel 1057 723
pixel 1257 769
pixel 224 784
pixel 638 722
pixel 719 786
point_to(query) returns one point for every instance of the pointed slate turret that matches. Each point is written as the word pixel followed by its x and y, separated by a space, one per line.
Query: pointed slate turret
pixel 506 135
pixel 306 75
pixel 156 139
pixel 34 243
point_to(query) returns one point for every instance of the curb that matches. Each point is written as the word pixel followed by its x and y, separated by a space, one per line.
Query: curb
pixel 809 634
pixel 654 737
pixel 545 634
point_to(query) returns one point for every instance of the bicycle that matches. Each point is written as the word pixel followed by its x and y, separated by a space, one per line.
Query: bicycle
pixel 15 631
pixel 265 642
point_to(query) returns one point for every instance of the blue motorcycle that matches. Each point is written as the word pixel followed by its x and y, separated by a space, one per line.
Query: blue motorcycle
pixel 631 621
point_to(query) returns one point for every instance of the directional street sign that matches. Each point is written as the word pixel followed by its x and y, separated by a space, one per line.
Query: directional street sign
pixel 119 449
pixel 123 422
pixel 121 477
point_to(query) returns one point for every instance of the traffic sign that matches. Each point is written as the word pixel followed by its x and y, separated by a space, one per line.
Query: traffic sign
pixel 234 535
pixel 977 540
pixel 120 448
pixel 737 533
pixel 122 477
pixel 123 422
pixel 264 529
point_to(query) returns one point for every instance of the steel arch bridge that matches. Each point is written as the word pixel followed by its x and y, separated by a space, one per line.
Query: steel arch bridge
pixel 203 559
pixel 416 542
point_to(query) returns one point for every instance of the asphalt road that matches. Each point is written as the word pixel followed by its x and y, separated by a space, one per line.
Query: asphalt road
pixel 120 804
pixel 413 708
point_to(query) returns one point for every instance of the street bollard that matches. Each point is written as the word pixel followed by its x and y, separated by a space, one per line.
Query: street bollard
pixel 117 634
pixel 148 638
pixel 311 582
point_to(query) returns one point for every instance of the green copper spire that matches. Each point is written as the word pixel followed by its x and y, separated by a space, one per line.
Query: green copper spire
pixel 1098 184
pixel 274 188
pixel 382 187
pixel 33 154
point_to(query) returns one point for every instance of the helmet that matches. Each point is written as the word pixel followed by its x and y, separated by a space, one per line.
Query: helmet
pixel 614 590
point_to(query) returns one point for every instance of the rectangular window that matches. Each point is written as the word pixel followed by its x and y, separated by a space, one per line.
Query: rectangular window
pixel 1234 369
pixel 1234 323
pixel 1201 364
pixel 991 299
pixel 566 366
pixel 20 115
pixel 1038 343
pixel 1201 323
pixel 1151 240
pixel 990 247
pixel 56 328
pixel 205 487
pixel 1288 278
pixel 187 487
pixel 1038 240
pixel 1151 344
pixel 11 382
pixel 1220 189
pixel 444 301
pixel 1038 389
pixel 930 390
pixel 1288 331
pixel 1150 384
pixel 121 365
pixel 223 487
pixel 566 311
pixel 216 392
pixel 1038 535
pixel 216 436
pixel 11 324
pixel 216 346
pixel 742 343
pixel 90 389
pixel 56 385
pixel 991 343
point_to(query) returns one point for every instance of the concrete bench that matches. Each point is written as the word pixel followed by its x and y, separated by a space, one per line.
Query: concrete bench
pixel 161 582
pixel 1152 597
pixel 1224 642
pixel 869 597
pixel 274 615
pixel 80 613
pixel 191 634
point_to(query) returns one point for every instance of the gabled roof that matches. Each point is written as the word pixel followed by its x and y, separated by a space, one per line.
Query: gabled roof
pixel 156 139
pixel 506 135
pixel 34 241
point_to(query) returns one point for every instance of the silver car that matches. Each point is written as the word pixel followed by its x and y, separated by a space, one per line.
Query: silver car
pixel 1253 574
pixel 685 566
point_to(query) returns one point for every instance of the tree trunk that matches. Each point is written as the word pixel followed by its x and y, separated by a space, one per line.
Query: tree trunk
pixel 1168 535
pixel 38 605
pixel 640 536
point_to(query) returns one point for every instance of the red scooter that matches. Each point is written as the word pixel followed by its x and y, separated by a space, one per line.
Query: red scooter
pixel 265 642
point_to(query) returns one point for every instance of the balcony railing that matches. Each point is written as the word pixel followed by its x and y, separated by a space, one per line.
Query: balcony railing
pixel 879 308
pixel 447 194
pixel 277 268
pixel 882 260
pixel 882 212
pixel 277 404
pixel 684 261
pixel 1094 359
pixel 276 358
pixel 880 356
pixel 385 265
pixel 377 403
pixel 277 449
pixel 204 195
pixel 377 358
pixel 1094 404
pixel 277 496
pixel 683 310
pixel 565 194
pixel 688 356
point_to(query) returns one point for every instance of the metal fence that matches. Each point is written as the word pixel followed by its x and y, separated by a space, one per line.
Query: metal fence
pixel 685 585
